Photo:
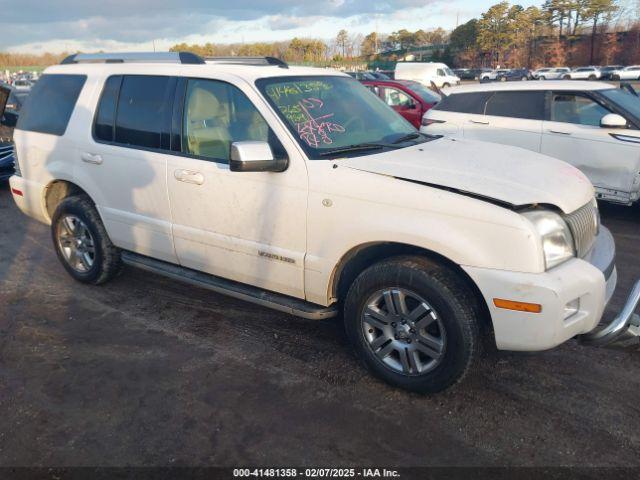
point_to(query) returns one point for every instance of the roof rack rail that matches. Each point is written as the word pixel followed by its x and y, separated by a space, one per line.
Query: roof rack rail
pixel 248 61
pixel 135 57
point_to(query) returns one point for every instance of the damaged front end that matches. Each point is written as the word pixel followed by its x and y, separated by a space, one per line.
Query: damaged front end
pixel 621 332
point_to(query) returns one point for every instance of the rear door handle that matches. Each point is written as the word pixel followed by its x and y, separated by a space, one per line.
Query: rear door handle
pixel 91 158
pixel 479 122
pixel 559 132
pixel 189 176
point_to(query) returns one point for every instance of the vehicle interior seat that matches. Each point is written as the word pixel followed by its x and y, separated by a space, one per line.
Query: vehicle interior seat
pixel 207 125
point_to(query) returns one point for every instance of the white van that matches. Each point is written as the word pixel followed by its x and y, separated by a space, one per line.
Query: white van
pixel 426 72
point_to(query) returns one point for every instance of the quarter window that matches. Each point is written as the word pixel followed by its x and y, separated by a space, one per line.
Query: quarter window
pixel 578 109
pixel 525 105
pixel 144 110
pixel 217 114
pixel 50 104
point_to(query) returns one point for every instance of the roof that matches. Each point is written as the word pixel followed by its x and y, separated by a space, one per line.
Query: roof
pixel 246 72
pixel 531 85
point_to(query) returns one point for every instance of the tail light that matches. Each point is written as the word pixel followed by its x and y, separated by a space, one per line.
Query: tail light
pixel 430 121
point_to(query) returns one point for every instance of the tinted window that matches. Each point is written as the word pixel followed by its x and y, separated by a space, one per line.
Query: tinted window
pixel 464 102
pixel 49 106
pixel 571 108
pixel 216 114
pixel 528 105
pixel 106 116
pixel 144 110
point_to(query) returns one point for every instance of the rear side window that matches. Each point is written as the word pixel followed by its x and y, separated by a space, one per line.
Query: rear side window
pixel 527 105
pixel 464 102
pixel 106 115
pixel 50 104
pixel 144 111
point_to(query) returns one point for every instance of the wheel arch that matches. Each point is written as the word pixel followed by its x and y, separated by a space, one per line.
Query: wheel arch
pixel 56 191
pixel 356 260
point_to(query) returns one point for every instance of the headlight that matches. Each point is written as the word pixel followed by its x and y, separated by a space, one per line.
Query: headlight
pixel 557 241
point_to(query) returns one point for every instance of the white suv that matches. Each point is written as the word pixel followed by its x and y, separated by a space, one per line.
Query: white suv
pixel 584 73
pixel 591 125
pixel 560 73
pixel 299 190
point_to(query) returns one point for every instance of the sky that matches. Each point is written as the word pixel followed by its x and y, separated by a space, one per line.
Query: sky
pixel 36 26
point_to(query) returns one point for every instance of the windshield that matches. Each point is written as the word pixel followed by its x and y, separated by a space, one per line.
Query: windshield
pixel 625 99
pixel 448 71
pixel 423 92
pixel 326 113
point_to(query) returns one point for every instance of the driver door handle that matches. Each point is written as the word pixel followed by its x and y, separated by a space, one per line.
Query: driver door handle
pixel 189 176
pixel 559 132
pixel 479 122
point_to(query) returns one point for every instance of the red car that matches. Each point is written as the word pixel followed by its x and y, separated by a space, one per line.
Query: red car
pixel 409 99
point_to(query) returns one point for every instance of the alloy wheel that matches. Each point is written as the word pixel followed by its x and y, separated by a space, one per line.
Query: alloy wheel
pixel 75 243
pixel 404 332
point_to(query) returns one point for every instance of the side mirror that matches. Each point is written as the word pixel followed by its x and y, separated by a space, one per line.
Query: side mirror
pixel 255 156
pixel 613 120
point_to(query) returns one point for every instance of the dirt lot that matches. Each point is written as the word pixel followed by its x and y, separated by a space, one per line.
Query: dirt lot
pixel 145 371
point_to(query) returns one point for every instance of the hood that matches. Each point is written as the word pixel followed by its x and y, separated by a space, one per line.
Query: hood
pixel 509 175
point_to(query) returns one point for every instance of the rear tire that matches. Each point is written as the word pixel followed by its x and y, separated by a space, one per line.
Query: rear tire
pixel 566 77
pixel 591 77
pixel 445 85
pixel 542 77
pixel 413 323
pixel 82 243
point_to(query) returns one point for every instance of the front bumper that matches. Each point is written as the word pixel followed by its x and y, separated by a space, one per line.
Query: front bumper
pixel 591 281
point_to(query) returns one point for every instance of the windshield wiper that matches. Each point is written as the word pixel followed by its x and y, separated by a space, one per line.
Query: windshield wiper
pixel 407 137
pixel 355 148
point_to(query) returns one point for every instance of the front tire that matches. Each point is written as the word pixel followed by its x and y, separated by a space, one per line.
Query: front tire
pixel 413 323
pixel 592 77
pixel 542 77
pixel 82 243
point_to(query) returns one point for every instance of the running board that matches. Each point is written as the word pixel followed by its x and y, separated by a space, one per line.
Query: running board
pixel 241 291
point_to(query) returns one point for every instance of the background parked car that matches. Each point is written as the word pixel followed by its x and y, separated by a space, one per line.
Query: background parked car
pixel 6 160
pixel 584 73
pixel 380 75
pixel 465 73
pixel 591 125
pixel 515 74
pixel 23 85
pixel 492 75
pixel 627 73
pixel 361 75
pixel 410 99
pixel 608 72
pixel 540 71
pixel 555 74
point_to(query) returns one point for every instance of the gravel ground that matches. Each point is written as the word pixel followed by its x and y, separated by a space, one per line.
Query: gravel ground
pixel 147 371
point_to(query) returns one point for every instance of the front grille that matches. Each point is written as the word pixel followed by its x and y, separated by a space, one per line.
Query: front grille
pixel 584 224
